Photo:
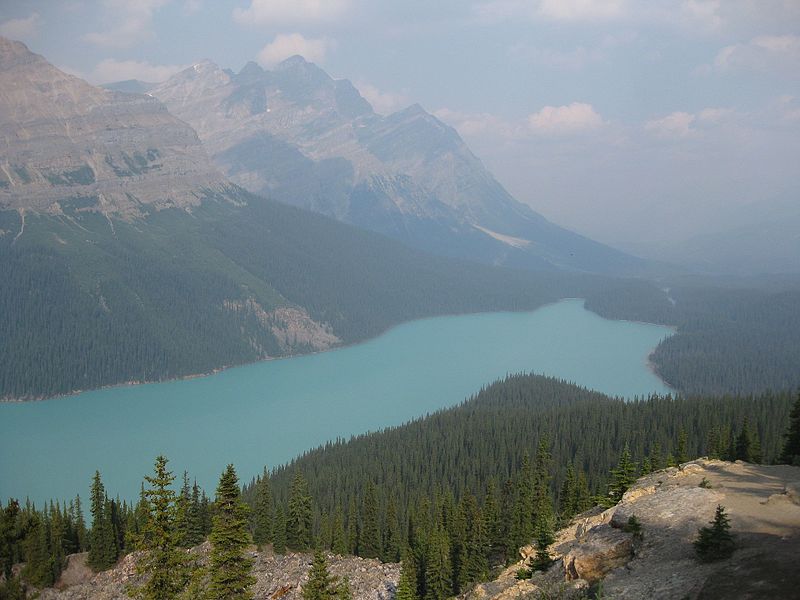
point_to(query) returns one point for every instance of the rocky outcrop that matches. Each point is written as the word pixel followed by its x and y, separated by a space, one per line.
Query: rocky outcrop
pixel 671 505
pixel 278 577
pixel 70 144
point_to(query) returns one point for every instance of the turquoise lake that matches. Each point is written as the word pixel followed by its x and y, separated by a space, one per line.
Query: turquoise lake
pixel 269 412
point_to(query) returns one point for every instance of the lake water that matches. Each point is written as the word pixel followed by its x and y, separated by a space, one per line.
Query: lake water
pixel 268 412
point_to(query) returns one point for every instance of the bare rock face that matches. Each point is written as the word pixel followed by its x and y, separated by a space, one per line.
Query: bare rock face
pixel 603 550
pixel 278 577
pixel 68 141
pixel 671 505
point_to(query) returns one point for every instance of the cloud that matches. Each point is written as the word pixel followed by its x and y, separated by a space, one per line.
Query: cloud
pixel 290 12
pixel 762 53
pixel 110 70
pixel 130 23
pixel 383 103
pixel 19 29
pixel 578 117
pixel 478 124
pixel 288 44
pixel 556 10
pixel 676 125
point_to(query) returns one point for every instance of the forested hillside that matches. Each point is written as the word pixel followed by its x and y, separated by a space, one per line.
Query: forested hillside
pixel 86 301
pixel 453 494
pixel 729 339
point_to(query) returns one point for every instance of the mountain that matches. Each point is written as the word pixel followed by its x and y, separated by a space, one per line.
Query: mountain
pixel 70 142
pixel 128 257
pixel 301 137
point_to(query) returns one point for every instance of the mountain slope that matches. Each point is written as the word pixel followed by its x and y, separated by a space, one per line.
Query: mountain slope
pixel 301 137
pixel 141 269
pixel 68 139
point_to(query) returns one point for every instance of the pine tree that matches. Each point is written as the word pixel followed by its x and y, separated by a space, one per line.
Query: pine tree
pixel 102 550
pixel 163 560
pixel 228 565
pixel 352 528
pixel 299 521
pixel 715 542
pixel 196 531
pixel 279 531
pixel 338 537
pixel 370 541
pixel 438 570
pixel 183 506
pixel 621 477
pixel 407 586
pixel 391 533
pixel 566 499
pixel 544 538
pixel 263 513
pixel 321 585
pixel 790 454
pixel 748 448
pixel 682 454
pixel 343 591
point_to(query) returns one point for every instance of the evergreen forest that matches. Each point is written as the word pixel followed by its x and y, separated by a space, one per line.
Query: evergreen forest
pixel 453 494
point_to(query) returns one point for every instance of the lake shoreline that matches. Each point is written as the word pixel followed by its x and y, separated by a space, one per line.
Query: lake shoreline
pixel 136 382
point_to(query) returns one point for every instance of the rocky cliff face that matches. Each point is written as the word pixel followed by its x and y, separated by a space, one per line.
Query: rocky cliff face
pixel 763 503
pixel 278 577
pixel 301 137
pixel 65 140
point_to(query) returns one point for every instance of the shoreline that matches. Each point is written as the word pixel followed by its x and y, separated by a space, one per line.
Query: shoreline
pixel 215 371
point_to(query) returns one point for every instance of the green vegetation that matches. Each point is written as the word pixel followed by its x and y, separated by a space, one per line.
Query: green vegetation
pixel 791 447
pixel 167 296
pixel 228 565
pixel 453 520
pixel 715 542
pixel 729 340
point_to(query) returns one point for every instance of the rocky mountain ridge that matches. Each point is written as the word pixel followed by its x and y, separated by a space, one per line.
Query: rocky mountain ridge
pixel 296 134
pixel 67 141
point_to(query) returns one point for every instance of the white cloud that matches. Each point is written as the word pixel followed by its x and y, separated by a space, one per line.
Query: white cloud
pixel 110 70
pixel 288 44
pixel 382 102
pixel 478 124
pixel 762 53
pixel 558 10
pixel 290 12
pixel 676 125
pixel 578 117
pixel 20 29
pixel 582 10
pixel 130 23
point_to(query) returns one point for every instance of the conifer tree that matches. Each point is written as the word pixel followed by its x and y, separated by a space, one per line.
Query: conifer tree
pixel 321 585
pixel 343 591
pixel 790 454
pixel 407 586
pixel 621 477
pixel 715 542
pixel 229 567
pixel 299 519
pixel 338 537
pixel 102 549
pixel 196 529
pixel 352 527
pixel 682 454
pixel 263 512
pixel 544 538
pixel 163 560
pixel 182 507
pixel 438 570
pixel 491 518
pixel 748 448
pixel 370 542
pixel 391 533
pixel 279 531
pixel 80 524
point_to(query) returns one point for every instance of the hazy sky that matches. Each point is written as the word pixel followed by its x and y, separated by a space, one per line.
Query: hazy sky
pixel 629 121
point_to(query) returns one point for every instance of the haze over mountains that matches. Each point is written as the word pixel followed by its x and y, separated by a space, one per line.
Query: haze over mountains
pixel 301 137
pixel 128 257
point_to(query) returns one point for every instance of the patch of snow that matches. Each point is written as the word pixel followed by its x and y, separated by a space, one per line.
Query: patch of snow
pixel 506 239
